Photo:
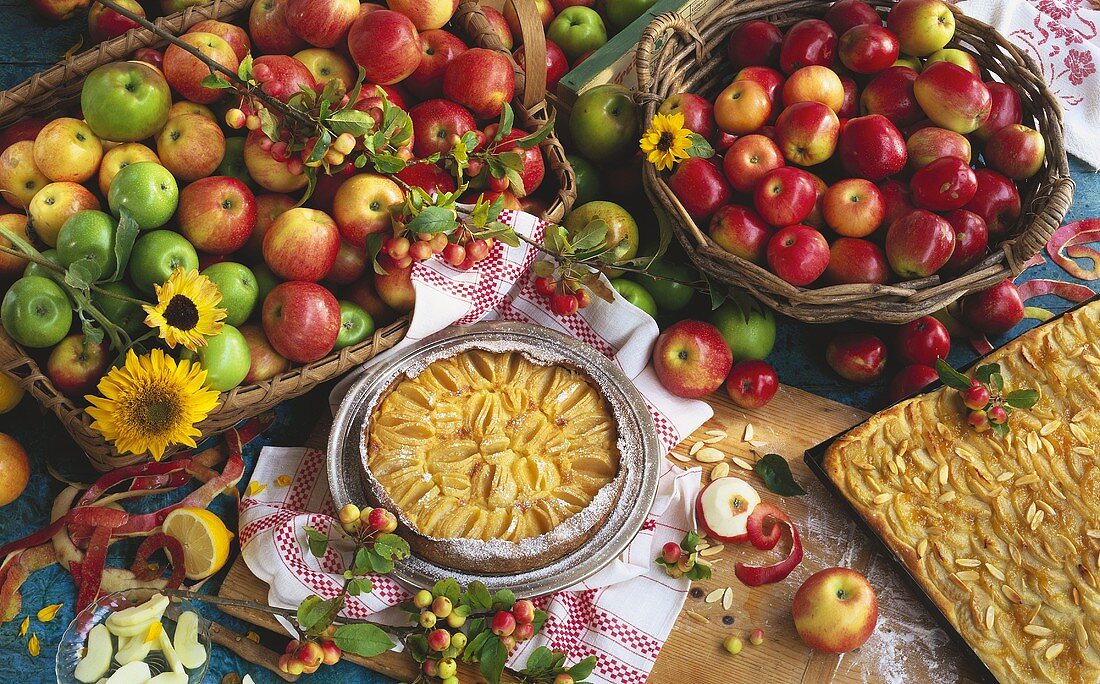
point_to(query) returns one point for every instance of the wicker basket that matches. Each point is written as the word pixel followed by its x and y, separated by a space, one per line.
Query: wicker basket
pixel 57 89
pixel 693 58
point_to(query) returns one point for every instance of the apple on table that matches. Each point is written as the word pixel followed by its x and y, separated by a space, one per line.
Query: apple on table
pixel 835 610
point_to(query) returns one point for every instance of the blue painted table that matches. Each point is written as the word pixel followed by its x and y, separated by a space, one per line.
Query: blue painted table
pixel 27 45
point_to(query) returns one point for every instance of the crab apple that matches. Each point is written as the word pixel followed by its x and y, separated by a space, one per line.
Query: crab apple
pixel 439 639
pixel 455 621
pixel 422 599
pixel 442 606
pixel 564 303
pixel 459 639
pixel 671 552
pixel 331 652
pixel 427 619
pixel 733 645
pixel 348 514
pixel 524 631
pixel 524 611
pixel 997 415
pixel 755 43
pixel 975 397
pixel 979 420
pixel 545 285
pixel 447 667
pixel 910 379
pixel 382 520
pixel 923 341
pixel 310 653
pixel 564 678
pixel 430 668
pixel 504 623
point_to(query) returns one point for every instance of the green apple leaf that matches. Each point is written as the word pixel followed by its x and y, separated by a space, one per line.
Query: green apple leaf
pixel 985 372
pixel 539 662
pixel 388 164
pixel 515 181
pixel 690 542
pixel 319 148
pixel 951 377
pixel 81 274
pixel 448 587
pixel 533 139
pixel 93 334
pixel 1001 429
pixel 1022 398
pixel 583 668
pixel 478 597
pixel 350 121
pixel 433 220
pixel 374 246
pixel 391 546
pixel 700 147
pixel 591 236
pixel 493 655
pixel 504 126
pixel 774 470
pixel 504 599
pixel 318 542
pixel 598 287
pixel 125 235
pixel 360 585
pixel 217 82
pixel 244 69
pixel 362 639
pixel 269 124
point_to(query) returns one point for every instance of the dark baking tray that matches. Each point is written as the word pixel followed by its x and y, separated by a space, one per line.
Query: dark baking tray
pixel 814 458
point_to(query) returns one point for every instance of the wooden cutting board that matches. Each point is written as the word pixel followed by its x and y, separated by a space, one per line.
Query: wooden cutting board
pixel 906 646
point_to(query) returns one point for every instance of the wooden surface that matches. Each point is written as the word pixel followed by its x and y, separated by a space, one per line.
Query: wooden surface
pixel 906 647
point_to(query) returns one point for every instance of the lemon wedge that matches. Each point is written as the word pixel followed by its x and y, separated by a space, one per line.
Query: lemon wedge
pixel 204 537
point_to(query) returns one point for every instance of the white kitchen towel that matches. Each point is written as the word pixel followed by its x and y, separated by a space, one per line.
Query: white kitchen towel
pixel 1062 37
pixel 602 616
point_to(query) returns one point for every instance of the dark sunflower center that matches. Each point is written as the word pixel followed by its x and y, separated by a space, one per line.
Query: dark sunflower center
pixel 181 313
pixel 665 143
pixel 159 414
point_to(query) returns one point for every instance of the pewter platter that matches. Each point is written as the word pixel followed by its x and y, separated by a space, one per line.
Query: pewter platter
pixel 347 462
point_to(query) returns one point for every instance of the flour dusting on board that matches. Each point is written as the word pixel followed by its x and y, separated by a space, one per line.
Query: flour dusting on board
pixel 907 645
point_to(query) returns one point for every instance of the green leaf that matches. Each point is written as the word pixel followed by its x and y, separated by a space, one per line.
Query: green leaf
pixel 82 273
pixel 362 639
pixel 244 69
pixel 374 246
pixel 449 588
pixel 269 124
pixel 379 564
pixel 774 470
pixel 529 141
pixel 998 382
pixel 539 620
pixel 690 542
pixel 311 185
pixel 951 377
pixel 316 613
pixel 985 372
pixel 350 121
pixel 505 599
pixel 320 147
pixel 590 236
pixel 475 644
pixel 539 661
pixel 125 234
pixel 515 181
pixel 216 81
pixel 598 287
pixel 318 542
pixel 479 597
pixel 700 147
pixel 360 585
pixel 504 126
pixel 493 655
pixel 698 573
pixel 719 292
pixel 361 564
pixel 583 668
pixel 1001 429
pixel 391 546
pixel 418 647
pixel 93 334
pixel 433 220
pixel 388 163
pixel 1022 398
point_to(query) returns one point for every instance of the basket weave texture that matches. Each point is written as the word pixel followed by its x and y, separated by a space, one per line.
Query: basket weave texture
pixel 675 55
pixel 57 90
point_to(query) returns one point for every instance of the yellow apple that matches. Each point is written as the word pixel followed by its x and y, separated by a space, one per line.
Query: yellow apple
pixel 67 150
pixel 20 178
pixel 54 204
pixel 268 172
pixel 362 206
pixel 11 267
pixel 835 610
pixel 326 65
pixel 188 107
pixel 191 146
pixel 119 157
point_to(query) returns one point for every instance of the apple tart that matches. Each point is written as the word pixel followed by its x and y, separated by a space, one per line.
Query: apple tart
pixel 493 461
pixel 1003 534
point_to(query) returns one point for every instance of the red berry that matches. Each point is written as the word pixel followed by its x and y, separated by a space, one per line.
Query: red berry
pixel 278 151
pixel 331 652
pixel 504 623
pixel 438 243
pixel 310 654
pixel 266 143
pixel 477 249
pixel 671 552
pixel 545 285
pixel 524 611
pixel 583 298
pixel 563 678
pixel 454 254
pixel 420 250
pixel 398 247
pixel 466 264
pixel 976 397
pixel 997 415
pixel 563 303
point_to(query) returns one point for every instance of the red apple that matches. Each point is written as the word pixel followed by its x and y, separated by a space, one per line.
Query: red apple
pixel 835 610
pixel 740 230
pixel 324 193
pixel 849 106
pixel 971 240
pixel 282 76
pixel 362 206
pixel 75 366
pixel 928 144
pixel 500 25
pixel 772 81
pixel 816 217
pixel 891 95
pixel 185 72
pixel 104 23
pixel 994 311
pixel 748 159
pixel 557 64
pixel 301 245
pixel 268 207
pixel 534 169
pixel 691 359
pixel 810 41
pixel 798 254
pixel 150 56
pixel 952 97
pixel 437 125
pixel 742 107
pixel 752 384
pixel 722 141
pixel 843 15
pixel 785 196
pixel 217 214
pixel 697 111
pixel 427 176
pixel 922 341
pixel 1016 151
pixel 700 187
pixel 755 43
pixel 868 48
pixel 301 320
pixel 268 30
pixel 1005 109
pixel 919 243
pixel 997 201
pixel 426 15
pixel 807 133
pixel 945 184
pixel 349 265
pixel 268 172
pixel 236 36
pixel 922 26
pixel 854 207
pixel 438 48
pixel 386 45
pixel 264 362
pixel 723 508
pixel 871 147
pixel 394 287
pixel 852 260
pixel 814 83
pixel 911 379
pixel 858 357
pixel 897 198
pixel 482 80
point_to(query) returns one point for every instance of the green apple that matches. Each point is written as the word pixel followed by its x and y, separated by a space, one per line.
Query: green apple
pixel 126 315
pixel 588 179
pixel 577 30
pixel 226 359
pixel 622 13
pixel 356 325
pixel 622 230
pixel 604 121
pixel 148 191
pixel 266 280
pixel 88 234
pixel 669 290
pixel 36 270
pixel 747 326
pixel 156 254
pixel 36 312
pixel 239 290
pixel 233 162
pixel 636 295
pixel 125 101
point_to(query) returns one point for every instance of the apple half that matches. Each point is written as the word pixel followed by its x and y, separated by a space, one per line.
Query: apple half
pixel 723 509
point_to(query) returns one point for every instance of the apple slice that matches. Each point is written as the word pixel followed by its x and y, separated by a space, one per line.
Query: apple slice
pixel 131 673
pixel 186 641
pixel 170 678
pixel 97 658
pixel 723 509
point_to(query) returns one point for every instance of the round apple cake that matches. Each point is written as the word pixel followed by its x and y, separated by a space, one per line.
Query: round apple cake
pixel 494 462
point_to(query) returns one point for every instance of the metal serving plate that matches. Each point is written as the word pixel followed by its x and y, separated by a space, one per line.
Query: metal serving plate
pixel 346 462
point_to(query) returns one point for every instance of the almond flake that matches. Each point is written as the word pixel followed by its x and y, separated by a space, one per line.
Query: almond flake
pixel 1056 649
pixel 968 562
pixel 901 463
pixel 721 434
pixel 1045 506
pixel 1076 597
pixel 1033 442
pixel 1095 534
pixel 712 550
pixel 715 596
pixel 864 465
pixel 1040 644
pixel 995 571
pixel 946 497
pixel 758 443
pixel 741 463
pixel 695 448
pixel 702 619
pixel 892 466
pixel 713 440
pixel 1011 594
pixel 1037 520
pixel 1038 630
pixel 727 599
pixel 1026 480
pixel 1084 451
pixel 922 548
pixel 1015 554
pixel 709 455
pixel 720 471
pixel 968 576
pixel 749 433
pixel 1055 491
pixel 1030 512
pixel 990 616
pixel 943 474
pixel 1093 360
pixel 1079 433
pixel 1082 634
pixel 919 484
pixel 1006 476
pixel 1050 427
pixel 883 498
pixel 680 457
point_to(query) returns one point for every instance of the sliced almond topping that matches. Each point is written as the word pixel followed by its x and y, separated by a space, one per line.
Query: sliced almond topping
pixel 990 616
pixel 1093 360
pixel 883 498
pixel 1050 427
pixel 919 484
pixel 922 548
pixel 901 462
pixel 1011 594
pixel 1029 479
pixel 1079 433
pixel 946 496
pixel 749 433
pixel 1082 633
pixel 680 457
pixel 695 448
pixel 1076 597
pixel 1040 644
pixel 709 455
pixel 1004 477
pixel 716 549
pixel 702 619
pixel 1037 630
pixel 1056 649
pixel 943 474
pixel 1084 451
pixel 968 576
pixel 720 471
pixel 1015 554
pixel 1030 511
pixel 758 443
pixel 995 571
pixel 1037 520
pixel 715 596
pixel 864 465
pixel 1033 442
pixel 727 598
pixel 892 466
pixel 741 463
pixel 1045 506
pixel 968 562
pixel 1095 534
pixel 1055 491
pixel 713 440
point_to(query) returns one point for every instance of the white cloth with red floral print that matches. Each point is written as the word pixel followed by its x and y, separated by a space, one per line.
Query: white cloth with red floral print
pixel 624 613
pixel 1063 37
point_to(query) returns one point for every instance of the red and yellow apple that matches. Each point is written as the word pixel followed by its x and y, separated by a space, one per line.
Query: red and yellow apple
pixel 66 149
pixel 362 206
pixel 835 610
pixel 691 359
pixel 217 214
pixel 190 146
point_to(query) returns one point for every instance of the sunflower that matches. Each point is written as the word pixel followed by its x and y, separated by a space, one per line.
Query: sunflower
pixel 151 402
pixel 187 310
pixel 667 141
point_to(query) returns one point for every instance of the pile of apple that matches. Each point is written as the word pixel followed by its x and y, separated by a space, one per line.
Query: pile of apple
pixel 210 191
pixel 855 152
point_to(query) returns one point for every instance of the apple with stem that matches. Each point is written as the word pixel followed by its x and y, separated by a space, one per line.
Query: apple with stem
pixel 798 254
pixel 752 384
pixel 691 359
pixel 835 610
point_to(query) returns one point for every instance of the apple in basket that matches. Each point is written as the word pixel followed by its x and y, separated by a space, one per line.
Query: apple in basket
pixel 281 76
pixel 1016 151
pixel 75 365
pixel 919 244
pixel 386 45
pixel 723 507
pixel 922 26
pixel 438 48
pixel 1005 109
pixel 301 320
pixel 891 95
pixel 871 147
pixel 394 287
pixel 268 30
pixel 301 244
pixel 953 97
pixel 691 359
pixel 755 43
pixel 698 112
pixel 740 231
pixel 323 23
pixel 748 159
pixel 437 124
pixel 971 241
pixel 482 80
pixel 217 214
pixel 847 14
pixel 557 64
pixel 807 133
pixel 810 41
pixel 191 146
pixel 185 72
pixel 125 101
pixel 327 65
pixel 854 260
pixel 236 36
pixel 928 144
pixel 835 610
pixel 997 201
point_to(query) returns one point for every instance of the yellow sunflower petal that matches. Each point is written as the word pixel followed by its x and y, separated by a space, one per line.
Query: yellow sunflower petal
pixel 283 481
pixel 34 647
pixel 48 613
pixel 255 488
pixel 24 626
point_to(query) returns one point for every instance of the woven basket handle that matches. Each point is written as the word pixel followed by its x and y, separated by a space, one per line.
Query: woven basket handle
pixel 670 22
pixel 531 75
pixel 1042 226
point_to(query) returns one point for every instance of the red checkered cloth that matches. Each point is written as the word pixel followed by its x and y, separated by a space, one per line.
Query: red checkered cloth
pixel 602 616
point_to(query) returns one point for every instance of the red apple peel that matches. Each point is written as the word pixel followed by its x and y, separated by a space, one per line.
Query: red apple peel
pixel 765 540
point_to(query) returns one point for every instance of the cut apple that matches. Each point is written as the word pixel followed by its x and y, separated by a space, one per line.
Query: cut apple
pixel 135 648
pixel 169 678
pixel 186 641
pixel 136 619
pixel 723 509
pixel 132 673
pixel 170 655
pixel 97 657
